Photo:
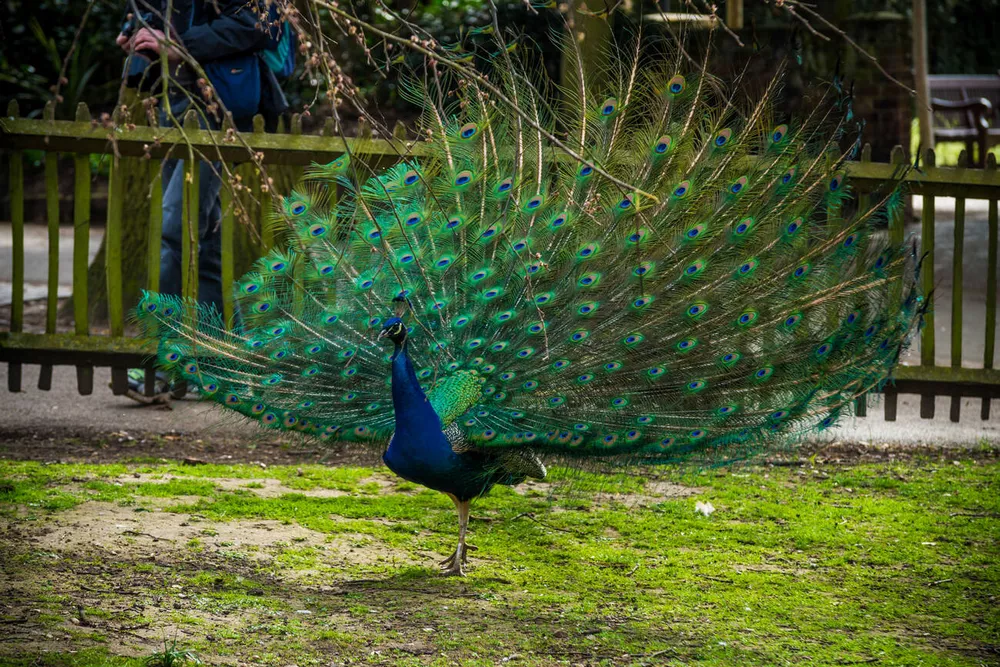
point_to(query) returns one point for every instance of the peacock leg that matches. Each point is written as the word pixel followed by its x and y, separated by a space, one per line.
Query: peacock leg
pixel 453 564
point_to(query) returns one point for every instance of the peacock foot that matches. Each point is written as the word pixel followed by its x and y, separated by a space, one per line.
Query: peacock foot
pixel 454 564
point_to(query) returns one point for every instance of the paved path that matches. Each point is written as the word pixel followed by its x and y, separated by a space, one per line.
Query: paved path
pixel 36 260
pixel 62 412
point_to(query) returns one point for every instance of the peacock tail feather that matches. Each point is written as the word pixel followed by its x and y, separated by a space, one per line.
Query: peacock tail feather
pixel 699 285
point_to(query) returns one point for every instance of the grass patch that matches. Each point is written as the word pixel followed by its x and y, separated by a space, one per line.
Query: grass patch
pixel 881 564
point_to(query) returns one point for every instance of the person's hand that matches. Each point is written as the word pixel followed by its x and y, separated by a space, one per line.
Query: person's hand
pixel 147 39
pixel 122 41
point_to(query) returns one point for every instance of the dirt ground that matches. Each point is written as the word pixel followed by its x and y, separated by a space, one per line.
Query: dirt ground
pixel 125 551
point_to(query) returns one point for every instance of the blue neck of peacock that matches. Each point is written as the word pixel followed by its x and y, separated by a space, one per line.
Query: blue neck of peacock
pixel 412 409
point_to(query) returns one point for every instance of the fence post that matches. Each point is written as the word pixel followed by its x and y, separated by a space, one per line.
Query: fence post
pixel 956 290
pixel 81 252
pixel 52 217
pixel 113 260
pixel 17 228
pixel 991 289
pixel 154 243
pixel 927 286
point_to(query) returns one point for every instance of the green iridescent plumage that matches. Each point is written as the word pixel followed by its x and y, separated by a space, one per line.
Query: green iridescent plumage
pixel 719 293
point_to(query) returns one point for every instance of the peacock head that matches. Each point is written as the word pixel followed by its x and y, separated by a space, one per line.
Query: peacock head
pixel 394 330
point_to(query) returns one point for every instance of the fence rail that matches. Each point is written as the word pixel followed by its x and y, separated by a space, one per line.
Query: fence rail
pixel 82 137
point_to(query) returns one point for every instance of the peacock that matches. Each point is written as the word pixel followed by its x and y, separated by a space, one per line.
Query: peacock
pixel 643 265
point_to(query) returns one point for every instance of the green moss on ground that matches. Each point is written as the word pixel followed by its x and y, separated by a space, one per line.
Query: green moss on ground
pixel 877 564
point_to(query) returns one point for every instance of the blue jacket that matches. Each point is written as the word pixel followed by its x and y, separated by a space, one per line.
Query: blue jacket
pixel 214 30
pixel 218 29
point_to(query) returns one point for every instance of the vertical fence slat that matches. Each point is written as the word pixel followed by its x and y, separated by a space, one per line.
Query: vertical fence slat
pixel 81 253
pixel 864 202
pixel 189 217
pixel 17 228
pixel 113 266
pixel 927 286
pixel 228 223
pixel 52 218
pixel 154 242
pixel 266 231
pixel 896 235
pixel 956 292
pixel 52 301
pixel 991 289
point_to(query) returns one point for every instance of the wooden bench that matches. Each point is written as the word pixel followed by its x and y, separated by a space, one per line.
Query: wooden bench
pixel 965 109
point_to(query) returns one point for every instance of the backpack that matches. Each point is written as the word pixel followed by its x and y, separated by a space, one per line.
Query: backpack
pixel 279 56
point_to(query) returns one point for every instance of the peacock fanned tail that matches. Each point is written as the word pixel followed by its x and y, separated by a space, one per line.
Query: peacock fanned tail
pixel 700 285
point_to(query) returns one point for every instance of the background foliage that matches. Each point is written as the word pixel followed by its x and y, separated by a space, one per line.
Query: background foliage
pixel 36 36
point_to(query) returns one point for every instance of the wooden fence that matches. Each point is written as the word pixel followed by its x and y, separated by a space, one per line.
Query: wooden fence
pixel 82 138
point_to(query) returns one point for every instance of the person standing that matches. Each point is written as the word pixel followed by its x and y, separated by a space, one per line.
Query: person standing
pixel 227 40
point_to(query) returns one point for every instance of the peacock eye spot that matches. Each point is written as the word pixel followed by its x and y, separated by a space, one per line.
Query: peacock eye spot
pixel 744 318
pixel 736 188
pixel 680 191
pixel 676 87
pixel 625 203
pixel 299 209
pixel 799 271
pixel 849 241
pixel 786 178
pixel 586 170
pixel 720 141
pixel 412 220
pixel 640 270
pixel 742 228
